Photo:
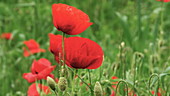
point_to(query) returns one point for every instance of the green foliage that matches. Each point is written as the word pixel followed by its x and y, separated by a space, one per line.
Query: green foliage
pixel 115 21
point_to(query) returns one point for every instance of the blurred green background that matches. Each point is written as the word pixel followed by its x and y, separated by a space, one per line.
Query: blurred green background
pixel 135 22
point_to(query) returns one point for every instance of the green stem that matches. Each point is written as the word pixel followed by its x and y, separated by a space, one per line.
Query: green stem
pixel 122 59
pixel 89 77
pixel 137 58
pixel 134 79
pixel 55 93
pixel 154 75
pixel 122 81
pixel 73 82
pixel 41 87
pixel 63 49
pixel 100 74
pixel 90 81
pixel 83 81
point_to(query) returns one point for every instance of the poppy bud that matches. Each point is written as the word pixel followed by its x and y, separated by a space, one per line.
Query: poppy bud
pixel 62 84
pixel 98 89
pixel 51 83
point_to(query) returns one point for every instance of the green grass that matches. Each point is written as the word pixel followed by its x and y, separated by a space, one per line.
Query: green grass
pixel 115 21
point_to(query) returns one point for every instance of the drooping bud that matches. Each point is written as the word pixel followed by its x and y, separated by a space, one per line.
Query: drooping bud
pixel 98 89
pixel 62 84
pixel 51 83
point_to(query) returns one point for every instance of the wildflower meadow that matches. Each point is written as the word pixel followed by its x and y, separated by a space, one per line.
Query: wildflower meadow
pixel 84 48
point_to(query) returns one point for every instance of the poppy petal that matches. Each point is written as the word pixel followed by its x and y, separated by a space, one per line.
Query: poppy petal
pixel 6 36
pixel 26 52
pixel 41 64
pixel 32 90
pixel 43 74
pixel 30 77
pixel 80 52
pixel 31 44
pixel 44 88
pixel 55 43
pixel 69 19
pixel 33 47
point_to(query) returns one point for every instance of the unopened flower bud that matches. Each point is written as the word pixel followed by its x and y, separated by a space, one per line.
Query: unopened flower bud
pixel 62 84
pixel 51 83
pixel 98 89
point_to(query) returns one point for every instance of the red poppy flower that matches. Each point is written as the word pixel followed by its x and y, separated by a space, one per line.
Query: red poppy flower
pixel 158 94
pixel 7 36
pixel 81 53
pixel 69 20
pixel 33 47
pixel 113 93
pixel 33 89
pixel 39 70
pixel 115 82
pixel 114 77
pixel 164 0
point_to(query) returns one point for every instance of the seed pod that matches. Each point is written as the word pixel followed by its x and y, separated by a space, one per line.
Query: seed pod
pixel 98 89
pixel 51 83
pixel 62 84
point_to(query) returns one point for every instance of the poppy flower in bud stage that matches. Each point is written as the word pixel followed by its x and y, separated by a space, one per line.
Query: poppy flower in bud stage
pixel 33 47
pixel 69 19
pixel 80 53
pixel 164 0
pixel 33 89
pixel 39 70
pixel 6 36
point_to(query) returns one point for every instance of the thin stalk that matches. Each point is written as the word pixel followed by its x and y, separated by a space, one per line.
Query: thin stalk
pixel 100 74
pixel 122 81
pixel 40 86
pixel 137 58
pixel 73 82
pixel 154 75
pixel 89 77
pixel 122 59
pixel 83 81
pixel 90 82
pixel 134 79
pixel 56 93
pixel 63 49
